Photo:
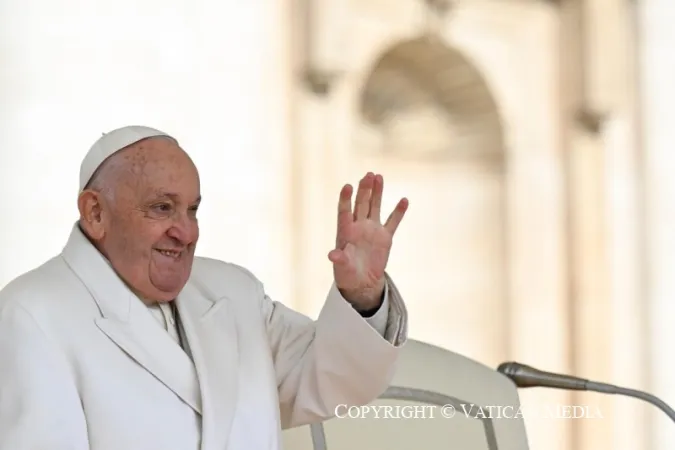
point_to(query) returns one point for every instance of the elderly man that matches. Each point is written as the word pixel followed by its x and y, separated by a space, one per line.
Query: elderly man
pixel 127 341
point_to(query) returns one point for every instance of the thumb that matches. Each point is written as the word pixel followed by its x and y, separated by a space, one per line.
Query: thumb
pixel 337 256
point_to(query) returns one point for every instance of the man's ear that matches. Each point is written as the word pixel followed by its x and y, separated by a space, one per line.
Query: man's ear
pixel 90 205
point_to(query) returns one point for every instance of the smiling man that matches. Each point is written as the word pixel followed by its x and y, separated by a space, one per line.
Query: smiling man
pixel 126 340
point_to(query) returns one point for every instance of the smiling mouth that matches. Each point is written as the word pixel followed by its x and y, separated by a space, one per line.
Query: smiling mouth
pixel 175 254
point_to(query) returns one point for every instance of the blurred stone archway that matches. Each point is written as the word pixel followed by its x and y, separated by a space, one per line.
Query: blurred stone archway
pixel 427 100
pixel 427 117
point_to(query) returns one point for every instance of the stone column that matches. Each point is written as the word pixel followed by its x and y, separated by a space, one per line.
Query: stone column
pixel 320 57
pixel 624 216
pixel 604 236
pixel 656 37
pixel 590 303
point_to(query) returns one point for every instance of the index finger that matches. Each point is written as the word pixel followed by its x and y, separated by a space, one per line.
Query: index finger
pixel 345 215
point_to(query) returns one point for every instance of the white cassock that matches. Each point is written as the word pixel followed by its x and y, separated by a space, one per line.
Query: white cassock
pixel 85 365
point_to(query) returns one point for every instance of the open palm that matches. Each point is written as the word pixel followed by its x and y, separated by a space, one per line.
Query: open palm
pixel 363 243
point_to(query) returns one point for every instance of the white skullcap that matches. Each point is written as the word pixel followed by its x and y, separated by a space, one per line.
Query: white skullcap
pixel 109 144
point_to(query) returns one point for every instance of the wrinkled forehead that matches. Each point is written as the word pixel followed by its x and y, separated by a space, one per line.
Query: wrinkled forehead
pixel 160 164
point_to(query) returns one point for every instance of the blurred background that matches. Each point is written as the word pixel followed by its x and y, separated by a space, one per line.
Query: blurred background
pixel 533 139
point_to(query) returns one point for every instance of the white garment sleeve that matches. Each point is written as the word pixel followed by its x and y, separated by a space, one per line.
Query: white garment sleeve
pixel 39 404
pixel 339 359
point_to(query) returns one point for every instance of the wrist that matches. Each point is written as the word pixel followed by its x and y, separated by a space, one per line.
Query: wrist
pixel 365 301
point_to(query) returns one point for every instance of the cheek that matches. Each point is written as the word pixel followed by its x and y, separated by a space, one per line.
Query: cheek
pixel 195 232
pixel 156 235
pixel 146 236
pixel 119 236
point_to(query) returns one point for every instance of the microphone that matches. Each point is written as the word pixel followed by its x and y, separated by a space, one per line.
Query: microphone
pixel 525 376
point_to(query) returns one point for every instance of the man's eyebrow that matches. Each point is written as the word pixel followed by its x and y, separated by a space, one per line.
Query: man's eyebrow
pixel 161 194
pixel 173 196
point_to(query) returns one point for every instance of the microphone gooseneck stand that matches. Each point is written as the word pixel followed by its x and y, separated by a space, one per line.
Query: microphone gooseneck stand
pixel 525 376
pixel 644 396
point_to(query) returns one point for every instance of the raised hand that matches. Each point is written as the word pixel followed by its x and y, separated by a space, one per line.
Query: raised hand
pixel 363 243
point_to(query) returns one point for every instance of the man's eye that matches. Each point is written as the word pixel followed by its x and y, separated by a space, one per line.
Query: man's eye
pixel 162 207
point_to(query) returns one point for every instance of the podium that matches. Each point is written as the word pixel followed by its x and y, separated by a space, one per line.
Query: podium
pixel 430 383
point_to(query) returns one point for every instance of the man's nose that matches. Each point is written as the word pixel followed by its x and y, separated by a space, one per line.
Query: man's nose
pixel 184 230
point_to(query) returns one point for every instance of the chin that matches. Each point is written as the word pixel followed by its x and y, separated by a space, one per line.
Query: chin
pixel 165 287
pixel 166 295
